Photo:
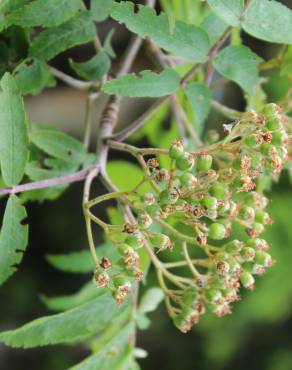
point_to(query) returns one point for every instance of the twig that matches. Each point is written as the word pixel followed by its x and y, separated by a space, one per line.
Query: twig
pixel 73 82
pixel 227 112
pixel 67 179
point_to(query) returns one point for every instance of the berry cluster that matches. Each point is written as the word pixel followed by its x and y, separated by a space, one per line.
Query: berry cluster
pixel 209 192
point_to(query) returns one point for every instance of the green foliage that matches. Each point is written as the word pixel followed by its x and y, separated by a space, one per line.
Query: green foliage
pixel 148 84
pixel 239 64
pixel 13 238
pixel 149 303
pixel 269 20
pixel 71 326
pixel 93 69
pixel 52 41
pixel 229 10
pixel 33 76
pixel 13 128
pixel 186 40
pixel 199 97
pixel 81 262
pixel 214 26
pixel 58 144
pixel 47 13
pixel 100 9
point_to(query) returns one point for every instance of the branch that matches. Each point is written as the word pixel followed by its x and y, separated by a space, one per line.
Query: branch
pixel 73 82
pixel 67 179
pixel 225 111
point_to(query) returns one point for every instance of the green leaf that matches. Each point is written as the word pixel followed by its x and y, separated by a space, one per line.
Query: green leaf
pixel 269 20
pixel 13 132
pixel 150 300
pixel 46 13
pixel 58 144
pixel 78 30
pixel 74 325
pixel 33 76
pixel 81 262
pixel 66 302
pixel 113 354
pixel 229 10
pixel 148 84
pixel 13 238
pixel 239 64
pixel 95 68
pixel 199 97
pixel 100 9
pixel 214 26
pixel 286 67
pixel 118 169
pixel 186 40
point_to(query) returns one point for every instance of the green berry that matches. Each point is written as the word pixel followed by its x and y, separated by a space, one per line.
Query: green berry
pixel 273 122
pixel 270 109
pixel 148 199
pixel 266 149
pixel 219 190
pixel 204 162
pixel 185 161
pixel 210 203
pixel 153 210
pixel 188 180
pixel 234 266
pixel 213 295
pixel 120 281
pixel 248 254
pixel 217 231
pixel 247 280
pixel 168 196
pixel 247 213
pixel 278 137
pixel 190 296
pixel 134 240
pixel 251 141
pixel 255 229
pixel 263 259
pixel 161 241
pixel 144 220
pixel 123 247
pixel 255 160
pixel 234 246
pixel 262 217
pixel 258 244
pixel 176 149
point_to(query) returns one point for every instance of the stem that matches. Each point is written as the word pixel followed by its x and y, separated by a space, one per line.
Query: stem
pixel 67 179
pixel 194 271
pixel 227 112
pixel 73 82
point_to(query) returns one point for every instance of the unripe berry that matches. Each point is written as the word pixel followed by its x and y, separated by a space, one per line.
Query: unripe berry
pixel 188 180
pixel 204 162
pixel 234 266
pixel 101 278
pixel 176 149
pixel 153 210
pixel 222 268
pixel 262 217
pixel 247 280
pixel 263 259
pixel 134 240
pixel 168 196
pixel 217 231
pixel 149 199
pixel 190 296
pixel 123 247
pixel 161 175
pixel 258 244
pixel 273 122
pixel 271 109
pixel 252 140
pixel 278 137
pixel 248 254
pixel 255 229
pixel 144 220
pixel 185 161
pixel 234 246
pixel 266 148
pixel 247 213
pixel 161 241
pixel 210 203
pixel 219 190
pixel 213 295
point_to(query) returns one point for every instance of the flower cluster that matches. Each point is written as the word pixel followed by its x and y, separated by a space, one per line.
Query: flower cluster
pixel 210 192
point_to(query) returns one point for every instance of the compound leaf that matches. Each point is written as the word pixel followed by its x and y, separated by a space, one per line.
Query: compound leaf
pixel 186 40
pixel 147 84
pixel 13 238
pixel 239 64
pixel 100 9
pixel 13 131
pixel 229 10
pixel 78 30
pixel 199 97
pixel 33 76
pixel 58 144
pixel 269 20
pixel 47 13
pixel 214 26
pixel 66 327
pixel 95 68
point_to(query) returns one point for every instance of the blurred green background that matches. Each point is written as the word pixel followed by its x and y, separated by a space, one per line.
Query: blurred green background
pixel 257 336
